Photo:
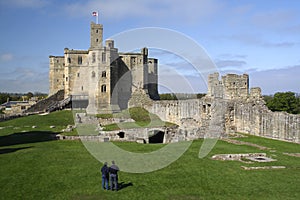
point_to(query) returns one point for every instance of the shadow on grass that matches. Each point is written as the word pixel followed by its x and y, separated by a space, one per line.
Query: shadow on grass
pixel 27 137
pixel 11 150
pixel 124 185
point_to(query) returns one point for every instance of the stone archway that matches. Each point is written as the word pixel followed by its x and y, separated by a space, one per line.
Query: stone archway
pixel 121 134
pixel 157 137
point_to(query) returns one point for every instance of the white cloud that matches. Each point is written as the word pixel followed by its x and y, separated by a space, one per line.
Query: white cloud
pixel 257 40
pixel 6 57
pixel 169 10
pixel 230 63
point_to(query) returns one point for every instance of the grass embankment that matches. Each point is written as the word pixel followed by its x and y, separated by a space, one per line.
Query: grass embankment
pixel 142 118
pixel 50 169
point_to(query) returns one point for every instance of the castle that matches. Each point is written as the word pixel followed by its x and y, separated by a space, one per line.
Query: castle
pixel 101 78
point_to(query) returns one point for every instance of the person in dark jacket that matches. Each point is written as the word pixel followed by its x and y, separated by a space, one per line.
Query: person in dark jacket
pixel 113 171
pixel 105 176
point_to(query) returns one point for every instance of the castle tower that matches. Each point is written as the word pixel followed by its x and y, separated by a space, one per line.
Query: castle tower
pixel 56 74
pixel 235 86
pixel 215 86
pixel 96 35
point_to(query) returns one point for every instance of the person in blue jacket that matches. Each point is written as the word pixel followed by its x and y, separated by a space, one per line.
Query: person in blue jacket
pixel 105 176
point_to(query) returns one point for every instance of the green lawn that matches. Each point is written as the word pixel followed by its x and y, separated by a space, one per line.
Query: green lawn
pixel 33 166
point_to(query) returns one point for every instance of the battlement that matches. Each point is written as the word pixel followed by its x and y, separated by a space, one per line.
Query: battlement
pixel 72 51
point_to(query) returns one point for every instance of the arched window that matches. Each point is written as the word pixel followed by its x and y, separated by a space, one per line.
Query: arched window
pixel 104 74
pixel 103 88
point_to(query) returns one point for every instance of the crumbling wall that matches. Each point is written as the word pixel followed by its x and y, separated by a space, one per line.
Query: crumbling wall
pixel 255 118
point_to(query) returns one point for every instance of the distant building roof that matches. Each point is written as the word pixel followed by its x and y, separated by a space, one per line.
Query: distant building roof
pixel 10 103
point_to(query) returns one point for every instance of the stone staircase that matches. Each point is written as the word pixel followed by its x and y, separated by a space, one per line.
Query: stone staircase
pixel 51 103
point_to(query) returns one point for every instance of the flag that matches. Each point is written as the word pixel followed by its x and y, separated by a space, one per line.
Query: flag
pixel 95 14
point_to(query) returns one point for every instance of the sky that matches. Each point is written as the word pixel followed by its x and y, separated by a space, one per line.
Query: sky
pixel 257 37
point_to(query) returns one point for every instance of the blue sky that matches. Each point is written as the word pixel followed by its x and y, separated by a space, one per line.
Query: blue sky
pixel 258 37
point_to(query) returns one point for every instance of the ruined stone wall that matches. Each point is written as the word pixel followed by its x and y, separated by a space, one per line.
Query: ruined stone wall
pixel 175 111
pixel 235 86
pixel 231 86
pixel 253 117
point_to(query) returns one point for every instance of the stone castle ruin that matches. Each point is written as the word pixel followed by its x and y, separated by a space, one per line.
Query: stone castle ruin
pixel 103 80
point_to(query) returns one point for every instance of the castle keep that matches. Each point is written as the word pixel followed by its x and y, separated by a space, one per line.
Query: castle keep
pixel 101 78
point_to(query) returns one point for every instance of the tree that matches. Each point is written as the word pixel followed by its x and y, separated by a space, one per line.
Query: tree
pixel 4 97
pixel 29 95
pixel 284 101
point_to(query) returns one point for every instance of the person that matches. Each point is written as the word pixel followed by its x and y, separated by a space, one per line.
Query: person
pixel 113 171
pixel 105 176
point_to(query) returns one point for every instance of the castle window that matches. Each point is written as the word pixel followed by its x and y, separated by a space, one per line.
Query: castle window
pixel 93 57
pixel 93 74
pixel 103 88
pixel 66 78
pixel 57 80
pixel 96 30
pixel 97 40
pixel 79 60
pixel 81 88
pixel 103 57
pixel 69 60
pixel 63 76
pixel 78 74
pixel 57 61
pixel 104 74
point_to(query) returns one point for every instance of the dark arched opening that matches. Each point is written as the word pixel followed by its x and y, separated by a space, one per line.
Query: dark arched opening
pixel 158 137
pixel 121 134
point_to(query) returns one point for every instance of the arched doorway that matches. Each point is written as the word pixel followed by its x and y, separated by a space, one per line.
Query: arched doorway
pixel 157 137
pixel 121 134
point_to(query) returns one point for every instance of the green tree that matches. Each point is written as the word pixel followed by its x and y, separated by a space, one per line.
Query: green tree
pixel 29 95
pixel 4 97
pixel 168 96
pixel 284 101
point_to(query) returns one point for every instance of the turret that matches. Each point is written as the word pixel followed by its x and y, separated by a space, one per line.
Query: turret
pixel 96 35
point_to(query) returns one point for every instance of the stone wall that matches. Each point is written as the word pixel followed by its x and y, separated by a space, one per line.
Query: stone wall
pixel 215 117
pixel 253 117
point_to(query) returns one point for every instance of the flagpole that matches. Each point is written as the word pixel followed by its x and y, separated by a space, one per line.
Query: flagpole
pixel 97 19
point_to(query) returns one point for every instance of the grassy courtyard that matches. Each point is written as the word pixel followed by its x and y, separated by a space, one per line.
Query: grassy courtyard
pixel 34 166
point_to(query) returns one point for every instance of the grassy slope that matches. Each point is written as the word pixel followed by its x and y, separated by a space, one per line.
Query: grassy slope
pixel 47 169
pixel 141 117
